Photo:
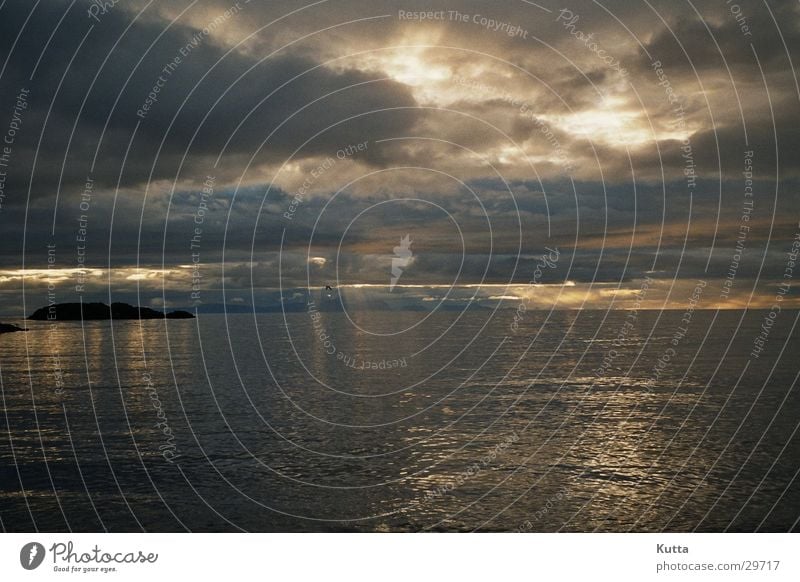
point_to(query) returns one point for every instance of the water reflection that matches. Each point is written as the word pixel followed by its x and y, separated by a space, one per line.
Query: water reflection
pixel 484 430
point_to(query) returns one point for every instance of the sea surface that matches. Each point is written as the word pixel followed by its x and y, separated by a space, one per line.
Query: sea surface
pixel 403 421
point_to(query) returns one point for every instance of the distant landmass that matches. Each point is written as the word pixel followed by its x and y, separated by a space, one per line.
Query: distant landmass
pixel 8 328
pixel 101 311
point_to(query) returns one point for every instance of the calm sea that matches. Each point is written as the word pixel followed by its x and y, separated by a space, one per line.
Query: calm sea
pixel 403 421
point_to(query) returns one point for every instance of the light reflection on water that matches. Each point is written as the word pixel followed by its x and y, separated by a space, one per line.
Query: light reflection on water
pixel 480 431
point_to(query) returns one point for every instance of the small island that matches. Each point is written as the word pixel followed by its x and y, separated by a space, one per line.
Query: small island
pixel 8 328
pixel 101 311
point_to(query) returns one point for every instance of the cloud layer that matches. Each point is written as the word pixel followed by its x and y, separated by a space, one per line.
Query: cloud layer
pixel 275 147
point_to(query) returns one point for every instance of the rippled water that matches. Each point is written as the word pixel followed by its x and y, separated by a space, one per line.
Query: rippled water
pixel 455 422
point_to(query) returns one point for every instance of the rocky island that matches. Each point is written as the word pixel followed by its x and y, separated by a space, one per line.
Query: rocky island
pixel 101 311
pixel 8 328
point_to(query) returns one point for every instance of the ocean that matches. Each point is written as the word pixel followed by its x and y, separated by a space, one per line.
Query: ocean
pixel 480 420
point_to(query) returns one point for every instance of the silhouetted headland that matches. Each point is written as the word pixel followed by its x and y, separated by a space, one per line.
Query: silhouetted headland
pixel 8 328
pixel 101 311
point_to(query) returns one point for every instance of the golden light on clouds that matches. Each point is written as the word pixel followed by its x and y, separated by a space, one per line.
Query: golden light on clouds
pixel 45 275
pixel 409 66
pixel 144 274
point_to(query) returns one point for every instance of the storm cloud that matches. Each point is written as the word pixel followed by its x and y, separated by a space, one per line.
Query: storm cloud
pixel 282 146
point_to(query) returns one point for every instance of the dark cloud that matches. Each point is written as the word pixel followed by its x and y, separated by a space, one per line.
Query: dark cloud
pixel 265 108
pixel 522 141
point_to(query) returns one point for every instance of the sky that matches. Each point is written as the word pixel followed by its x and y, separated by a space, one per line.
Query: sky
pixel 590 155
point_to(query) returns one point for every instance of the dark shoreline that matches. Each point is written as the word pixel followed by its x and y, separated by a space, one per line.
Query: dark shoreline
pixel 8 328
pixel 102 312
